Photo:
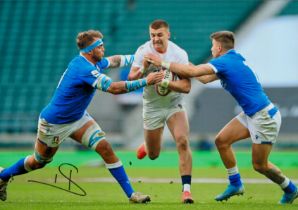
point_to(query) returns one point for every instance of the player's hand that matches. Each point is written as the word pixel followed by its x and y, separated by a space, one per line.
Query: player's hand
pixel 154 78
pixel 154 59
pixel 146 64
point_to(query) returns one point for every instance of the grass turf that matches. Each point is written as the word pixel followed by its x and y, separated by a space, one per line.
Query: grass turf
pixel 26 195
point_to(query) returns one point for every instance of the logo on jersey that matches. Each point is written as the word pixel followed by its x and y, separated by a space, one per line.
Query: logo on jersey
pixel 56 140
pixel 95 73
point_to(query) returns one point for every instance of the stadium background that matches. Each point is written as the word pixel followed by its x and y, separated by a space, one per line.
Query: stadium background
pixel 38 40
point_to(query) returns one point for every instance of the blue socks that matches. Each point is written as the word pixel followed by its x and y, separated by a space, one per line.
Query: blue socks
pixel 118 172
pixel 291 188
pixel 16 169
pixel 235 180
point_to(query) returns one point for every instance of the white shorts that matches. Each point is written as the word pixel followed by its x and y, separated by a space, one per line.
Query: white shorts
pixel 54 134
pixel 157 117
pixel 263 126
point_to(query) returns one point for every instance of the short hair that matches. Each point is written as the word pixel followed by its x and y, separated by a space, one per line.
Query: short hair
pixel 226 38
pixel 159 23
pixel 86 38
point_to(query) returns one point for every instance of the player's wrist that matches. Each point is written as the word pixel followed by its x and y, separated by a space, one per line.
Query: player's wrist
pixel 165 64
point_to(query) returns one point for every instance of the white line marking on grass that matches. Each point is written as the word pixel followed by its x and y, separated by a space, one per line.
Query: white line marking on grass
pixel 170 180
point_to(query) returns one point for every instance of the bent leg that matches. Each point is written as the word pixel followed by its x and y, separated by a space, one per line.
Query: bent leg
pixel 42 155
pixel 231 133
pixel 260 154
pixel 153 142
pixel 91 135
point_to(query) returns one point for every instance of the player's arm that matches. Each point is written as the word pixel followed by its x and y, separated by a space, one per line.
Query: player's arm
pixel 183 70
pixel 135 73
pixel 180 86
pixel 116 61
pixel 106 84
pixel 207 78
pixel 138 72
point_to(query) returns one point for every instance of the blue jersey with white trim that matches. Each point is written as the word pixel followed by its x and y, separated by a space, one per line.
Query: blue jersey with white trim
pixel 75 91
pixel 238 79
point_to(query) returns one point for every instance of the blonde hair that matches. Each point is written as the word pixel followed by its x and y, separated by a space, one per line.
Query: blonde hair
pixel 86 38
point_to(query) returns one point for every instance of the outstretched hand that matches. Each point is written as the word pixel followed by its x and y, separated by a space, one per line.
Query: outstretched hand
pixel 154 78
pixel 154 59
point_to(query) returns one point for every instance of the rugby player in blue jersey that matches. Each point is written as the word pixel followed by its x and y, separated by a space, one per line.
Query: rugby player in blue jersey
pixel 260 119
pixel 66 115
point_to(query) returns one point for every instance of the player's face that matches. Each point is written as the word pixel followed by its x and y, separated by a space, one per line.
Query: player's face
pixel 216 48
pixel 159 38
pixel 98 53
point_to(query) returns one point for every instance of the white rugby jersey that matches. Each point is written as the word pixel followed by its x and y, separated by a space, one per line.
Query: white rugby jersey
pixel 173 54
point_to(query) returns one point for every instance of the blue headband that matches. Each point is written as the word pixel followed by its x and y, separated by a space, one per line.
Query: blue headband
pixel 92 46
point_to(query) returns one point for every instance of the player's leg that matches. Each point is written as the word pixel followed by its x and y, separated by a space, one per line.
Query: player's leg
pixel 179 128
pixel 260 154
pixel 231 133
pixel 153 142
pixel 43 154
pixel 91 135
pixel 265 127
pixel 154 120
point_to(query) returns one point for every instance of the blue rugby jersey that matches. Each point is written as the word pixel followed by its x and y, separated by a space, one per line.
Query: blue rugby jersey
pixel 74 92
pixel 238 79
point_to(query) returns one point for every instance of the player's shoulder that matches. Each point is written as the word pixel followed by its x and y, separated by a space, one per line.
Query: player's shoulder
pixel 144 47
pixel 177 52
pixel 176 48
pixel 79 63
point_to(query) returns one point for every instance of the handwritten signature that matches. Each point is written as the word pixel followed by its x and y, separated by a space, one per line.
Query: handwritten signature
pixel 67 177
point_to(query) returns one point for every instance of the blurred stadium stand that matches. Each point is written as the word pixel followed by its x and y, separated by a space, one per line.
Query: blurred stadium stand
pixel 38 40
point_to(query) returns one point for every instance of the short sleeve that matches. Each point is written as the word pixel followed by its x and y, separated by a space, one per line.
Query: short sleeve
pixel 217 65
pixel 183 57
pixel 103 63
pixel 90 76
pixel 139 55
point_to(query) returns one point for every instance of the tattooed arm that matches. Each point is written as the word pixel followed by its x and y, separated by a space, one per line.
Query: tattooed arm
pixel 120 60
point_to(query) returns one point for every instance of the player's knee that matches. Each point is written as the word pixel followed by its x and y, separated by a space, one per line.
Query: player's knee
pixel 37 161
pixel 261 168
pixel 182 143
pixel 104 149
pixel 220 142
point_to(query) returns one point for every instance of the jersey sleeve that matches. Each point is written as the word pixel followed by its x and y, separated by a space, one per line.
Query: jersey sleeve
pixel 217 65
pixel 139 55
pixel 183 58
pixel 90 76
pixel 103 63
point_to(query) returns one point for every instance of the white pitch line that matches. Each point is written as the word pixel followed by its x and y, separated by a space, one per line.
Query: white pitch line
pixel 171 180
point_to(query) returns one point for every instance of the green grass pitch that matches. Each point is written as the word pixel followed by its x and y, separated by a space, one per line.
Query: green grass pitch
pixel 23 194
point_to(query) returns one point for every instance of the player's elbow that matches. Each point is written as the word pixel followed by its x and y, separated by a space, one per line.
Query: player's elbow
pixel 187 87
pixel 203 81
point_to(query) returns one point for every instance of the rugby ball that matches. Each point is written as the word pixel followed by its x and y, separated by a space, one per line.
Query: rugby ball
pixel 162 91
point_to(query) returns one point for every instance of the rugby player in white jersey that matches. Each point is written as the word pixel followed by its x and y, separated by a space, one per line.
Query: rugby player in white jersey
pixel 163 104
